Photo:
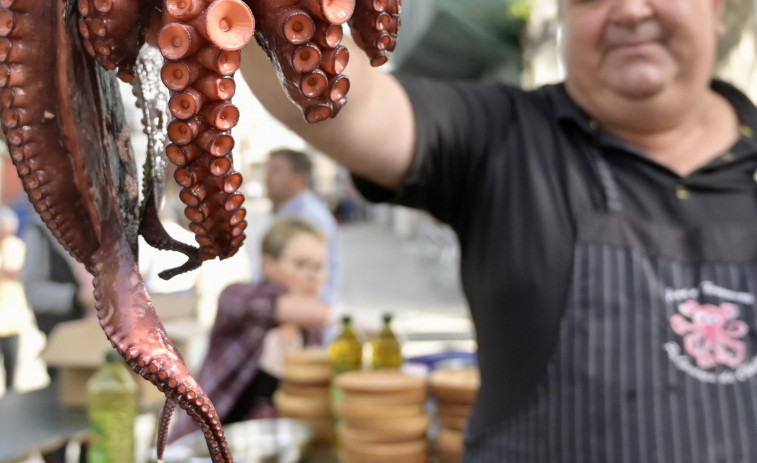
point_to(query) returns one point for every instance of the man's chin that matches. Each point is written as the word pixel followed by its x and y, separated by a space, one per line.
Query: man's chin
pixel 638 89
pixel 638 80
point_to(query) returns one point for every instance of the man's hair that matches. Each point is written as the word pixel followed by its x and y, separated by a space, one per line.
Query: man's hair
pixel 299 161
pixel 281 232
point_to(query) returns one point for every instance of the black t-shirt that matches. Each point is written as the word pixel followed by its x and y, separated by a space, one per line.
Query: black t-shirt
pixel 510 171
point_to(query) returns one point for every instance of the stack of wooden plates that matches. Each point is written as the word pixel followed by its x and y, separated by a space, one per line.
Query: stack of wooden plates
pixel 303 392
pixel 381 417
pixel 455 391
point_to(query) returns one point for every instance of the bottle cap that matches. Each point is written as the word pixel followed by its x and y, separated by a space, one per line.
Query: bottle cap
pixel 346 319
pixel 112 357
pixel 387 317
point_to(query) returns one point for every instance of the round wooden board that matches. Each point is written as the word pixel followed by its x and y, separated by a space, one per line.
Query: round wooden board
pixel 377 411
pixel 307 374
pixel 412 396
pixel 399 425
pixel 301 407
pixel 380 436
pixel 457 386
pixel 378 381
pixel 306 390
pixel 449 440
pixel 308 356
pixel 395 452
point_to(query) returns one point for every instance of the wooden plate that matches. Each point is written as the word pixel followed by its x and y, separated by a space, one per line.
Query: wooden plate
pixel 412 396
pixel 307 374
pixel 457 386
pixel 453 422
pixel 449 440
pixel 374 436
pixel 378 381
pixel 378 411
pixel 395 452
pixel 348 456
pixel 453 409
pixel 306 390
pixel 407 425
pixel 444 456
pixel 308 356
pixel 301 407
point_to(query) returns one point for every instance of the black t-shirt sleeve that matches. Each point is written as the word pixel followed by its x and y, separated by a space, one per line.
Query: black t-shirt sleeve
pixel 455 123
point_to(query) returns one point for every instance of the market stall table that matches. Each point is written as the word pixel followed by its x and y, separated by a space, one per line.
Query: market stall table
pixel 36 422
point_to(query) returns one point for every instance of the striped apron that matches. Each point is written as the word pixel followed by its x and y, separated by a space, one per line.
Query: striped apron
pixel 657 355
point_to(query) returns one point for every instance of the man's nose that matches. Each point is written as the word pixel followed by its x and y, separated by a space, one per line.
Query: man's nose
pixel 631 11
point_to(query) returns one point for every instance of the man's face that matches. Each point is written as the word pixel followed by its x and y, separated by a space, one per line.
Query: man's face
pixel 636 49
pixel 281 181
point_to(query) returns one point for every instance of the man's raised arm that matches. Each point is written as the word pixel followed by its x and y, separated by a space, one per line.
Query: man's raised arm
pixel 374 133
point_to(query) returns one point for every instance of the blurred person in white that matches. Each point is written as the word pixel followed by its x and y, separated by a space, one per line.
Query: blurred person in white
pixel 14 312
pixel 57 287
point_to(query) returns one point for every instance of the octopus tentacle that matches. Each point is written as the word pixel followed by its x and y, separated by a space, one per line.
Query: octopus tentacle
pixel 156 236
pixel 201 46
pixel 129 320
pixel 163 424
pixel 113 32
pixel 30 101
pixel 152 99
pixel 64 125
pixel 374 26
pixel 301 37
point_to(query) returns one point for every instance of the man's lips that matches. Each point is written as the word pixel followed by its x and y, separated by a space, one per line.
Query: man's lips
pixel 632 45
pixel 645 33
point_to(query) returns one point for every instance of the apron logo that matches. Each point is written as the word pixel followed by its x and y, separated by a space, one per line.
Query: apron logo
pixel 712 334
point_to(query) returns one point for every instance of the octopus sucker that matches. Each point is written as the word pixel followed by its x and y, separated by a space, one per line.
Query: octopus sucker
pixel 177 76
pixel 306 58
pixel 222 62
pixel 328 35
pixel 298 27
pixel 335 61
pixel 227 24
pixel 178 41
pixel 183 9
pixel 64 124
pixel 335 12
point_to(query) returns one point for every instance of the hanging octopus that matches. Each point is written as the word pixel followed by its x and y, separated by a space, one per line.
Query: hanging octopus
pixel 65 129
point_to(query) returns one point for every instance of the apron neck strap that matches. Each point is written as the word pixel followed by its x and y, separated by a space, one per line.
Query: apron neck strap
pixel 609 185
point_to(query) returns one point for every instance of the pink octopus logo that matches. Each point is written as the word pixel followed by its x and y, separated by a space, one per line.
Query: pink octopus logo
pixel 711 333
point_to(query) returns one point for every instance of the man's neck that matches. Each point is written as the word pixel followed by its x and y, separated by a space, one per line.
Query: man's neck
pixel 279 205
pixel 682 138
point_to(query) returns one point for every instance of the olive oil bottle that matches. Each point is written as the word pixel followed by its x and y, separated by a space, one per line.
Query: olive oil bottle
pixel 112 400
pixel 346 351
pixel 346 354
pixel 386 348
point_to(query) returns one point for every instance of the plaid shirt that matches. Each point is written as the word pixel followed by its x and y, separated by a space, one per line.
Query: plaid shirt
pixel 246 312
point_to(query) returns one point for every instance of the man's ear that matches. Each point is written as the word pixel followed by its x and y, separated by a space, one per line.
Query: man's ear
pixel 718 7
pixel 304 180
